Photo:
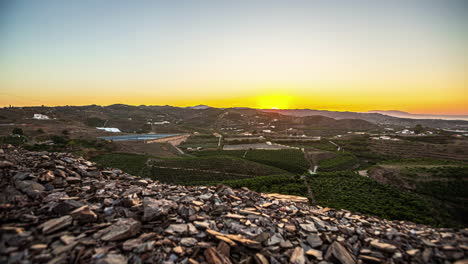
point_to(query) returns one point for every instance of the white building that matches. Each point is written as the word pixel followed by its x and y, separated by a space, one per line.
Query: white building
pixel 158 123
pixel 109 129
pixel 407 132
pixel 40 117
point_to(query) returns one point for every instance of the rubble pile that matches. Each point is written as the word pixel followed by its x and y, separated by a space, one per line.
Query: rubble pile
pixel 57 208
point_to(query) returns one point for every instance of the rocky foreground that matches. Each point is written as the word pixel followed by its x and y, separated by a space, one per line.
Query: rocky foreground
pixel 56 208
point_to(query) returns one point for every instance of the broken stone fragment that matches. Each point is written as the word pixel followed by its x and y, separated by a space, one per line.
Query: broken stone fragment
pixel 261 259
pixel 5 164
pixel 412 252
pixel 55 197
pixel 297 256
pixel 317 254
pixel 337 252
pixel 47 176
pixel 38 247
pixel 274 240
pixel 314 240
pixel 214 257
pixel 60 173
pixel 288 198
pixel 182 228
pixel 308 227
pixel 370 259
pixel 56 224
pixel 234 216
pixel 188 241
pixel 21 176
pixel 383 246
pixel 156 208
pixel 66 206
pixel 228 238
pixel 178 250
pixel 202 224
pixel 131 244
pixel 84 214
pixel 31 188
pixel 66 239
pixel 224 248
pixel 286 244
pixel 112 259
pixel 290 228
pixel 73 180
pixel 122 229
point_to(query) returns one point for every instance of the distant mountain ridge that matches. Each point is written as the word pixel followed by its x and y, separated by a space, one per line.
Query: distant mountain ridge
pixel 401 114
pixel 204 116
pixel 198 107
pixel 379 118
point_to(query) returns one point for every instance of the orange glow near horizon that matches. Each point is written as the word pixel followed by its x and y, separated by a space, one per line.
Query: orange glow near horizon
pixel 410 103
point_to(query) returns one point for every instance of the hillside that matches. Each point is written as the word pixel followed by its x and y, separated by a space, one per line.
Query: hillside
pixel 57 208
pixel 139 119
pixel 380 117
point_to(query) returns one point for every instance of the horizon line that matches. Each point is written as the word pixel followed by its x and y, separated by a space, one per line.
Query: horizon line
pixel 246 107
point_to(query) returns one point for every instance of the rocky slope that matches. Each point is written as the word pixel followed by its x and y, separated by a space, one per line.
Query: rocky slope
pixel 56 208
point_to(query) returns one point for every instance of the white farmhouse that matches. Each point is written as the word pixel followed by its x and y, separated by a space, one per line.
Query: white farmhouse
pixel 40 117
pixel 161 122
pixel 109 129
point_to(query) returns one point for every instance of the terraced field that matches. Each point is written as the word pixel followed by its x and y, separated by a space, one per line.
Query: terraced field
pixel 206 141
pixel 420 150
pixel 188 170
pixel 291 160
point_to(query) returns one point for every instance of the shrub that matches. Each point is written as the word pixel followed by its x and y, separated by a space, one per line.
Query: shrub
pixel 17 131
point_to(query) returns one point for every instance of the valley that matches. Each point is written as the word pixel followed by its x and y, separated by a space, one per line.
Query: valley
pixel 350 164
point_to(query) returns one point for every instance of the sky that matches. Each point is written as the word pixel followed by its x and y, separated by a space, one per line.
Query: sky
pixel 344 55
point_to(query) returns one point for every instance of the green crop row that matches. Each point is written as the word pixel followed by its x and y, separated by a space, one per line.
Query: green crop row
pixel 340 162
pixel 219 164
pixel 291 160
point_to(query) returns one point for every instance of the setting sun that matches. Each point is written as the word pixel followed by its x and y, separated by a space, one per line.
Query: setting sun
pixel 274 101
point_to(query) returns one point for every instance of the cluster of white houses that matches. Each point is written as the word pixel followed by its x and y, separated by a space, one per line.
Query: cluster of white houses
pixel 40 117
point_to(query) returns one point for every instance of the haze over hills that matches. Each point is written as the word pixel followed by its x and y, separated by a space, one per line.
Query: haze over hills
pixel 377 118
pixel 401 114
pixel 206 116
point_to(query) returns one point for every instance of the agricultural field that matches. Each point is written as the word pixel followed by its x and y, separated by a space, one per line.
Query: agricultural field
pixel 350 191
pixel 338 163
pixel 131 163
pixel 187 170
pixel 224 164
pixel 415 149
pixel 204 141
pixel 291 160
pixel 441 180
pixel 192 177
pixel 153 149
pixel 284 184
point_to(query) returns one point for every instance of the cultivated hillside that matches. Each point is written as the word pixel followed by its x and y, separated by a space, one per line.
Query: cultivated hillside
pixel 138 118
pixel 57 208
pixel 380 117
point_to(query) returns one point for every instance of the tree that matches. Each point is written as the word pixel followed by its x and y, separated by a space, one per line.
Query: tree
pixel 59 140
pixel 17 131
pixel 418 129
